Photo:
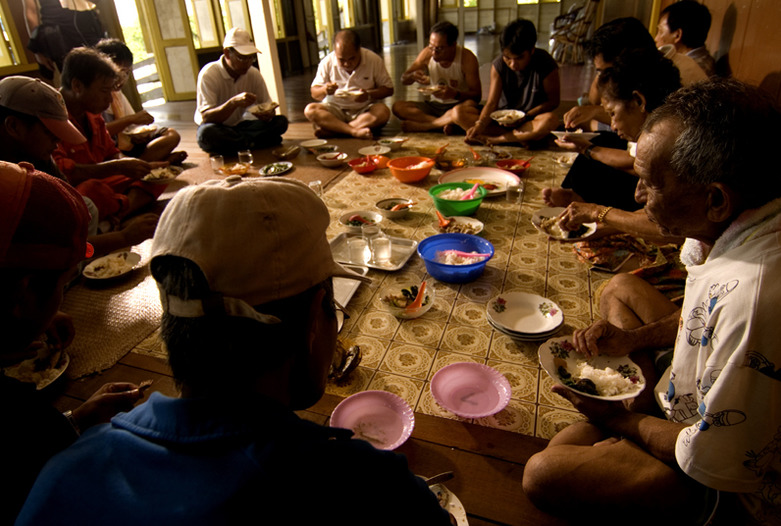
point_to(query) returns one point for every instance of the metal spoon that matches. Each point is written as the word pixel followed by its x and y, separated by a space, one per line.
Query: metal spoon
pixel 439 479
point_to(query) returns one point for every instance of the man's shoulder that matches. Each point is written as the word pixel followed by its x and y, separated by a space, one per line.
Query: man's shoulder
pixel 541 59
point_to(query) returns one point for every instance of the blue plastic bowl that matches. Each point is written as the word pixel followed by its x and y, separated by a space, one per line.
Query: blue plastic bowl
pixel 428 248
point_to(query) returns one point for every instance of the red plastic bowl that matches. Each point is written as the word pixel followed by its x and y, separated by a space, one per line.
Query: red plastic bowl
pixel 362 166
pixel 516 166
pixel 400 168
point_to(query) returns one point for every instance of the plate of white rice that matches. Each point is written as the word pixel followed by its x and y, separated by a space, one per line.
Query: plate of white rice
pixel 610 378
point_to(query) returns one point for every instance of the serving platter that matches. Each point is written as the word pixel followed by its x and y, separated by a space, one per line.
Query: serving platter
pixel 401 250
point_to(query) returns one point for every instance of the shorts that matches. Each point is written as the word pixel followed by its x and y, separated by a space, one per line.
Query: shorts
pixel 434 108
pixel 345 114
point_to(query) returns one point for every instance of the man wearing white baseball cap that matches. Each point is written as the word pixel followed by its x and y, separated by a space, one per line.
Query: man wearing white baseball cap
pixel 249 323
pixel 234 109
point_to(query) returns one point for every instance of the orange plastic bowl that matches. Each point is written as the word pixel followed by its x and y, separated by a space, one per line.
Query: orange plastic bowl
pixel 516 166
pixel 400 168
pixel 362 166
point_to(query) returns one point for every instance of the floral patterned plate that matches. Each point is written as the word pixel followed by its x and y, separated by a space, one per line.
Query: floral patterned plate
pixel 524 313
pixel 560 360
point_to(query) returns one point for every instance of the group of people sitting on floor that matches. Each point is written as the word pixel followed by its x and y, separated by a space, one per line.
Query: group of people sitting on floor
pixel 250 329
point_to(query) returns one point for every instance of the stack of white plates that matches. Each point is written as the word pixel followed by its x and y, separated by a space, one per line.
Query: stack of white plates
pixel 524 316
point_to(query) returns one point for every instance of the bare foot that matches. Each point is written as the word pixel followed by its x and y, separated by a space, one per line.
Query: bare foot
pixel 322 133
pixel 451 129
pixel 177 157
pixel 415 126
pixel 559 196
pixel 363 133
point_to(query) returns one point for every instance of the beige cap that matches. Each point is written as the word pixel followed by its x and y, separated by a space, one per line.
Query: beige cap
pixel 33 97
pixel 240 40
pixel 255 240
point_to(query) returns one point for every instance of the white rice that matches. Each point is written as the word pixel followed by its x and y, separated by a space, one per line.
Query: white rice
pixel 609 382
pixel 449 258
pixel 454 194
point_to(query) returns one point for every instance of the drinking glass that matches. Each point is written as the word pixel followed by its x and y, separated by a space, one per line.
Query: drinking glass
pixel 381 249
pixel 515 193
pixel 358 250
pixel 217 162
pixel 245 157
pixel 317 188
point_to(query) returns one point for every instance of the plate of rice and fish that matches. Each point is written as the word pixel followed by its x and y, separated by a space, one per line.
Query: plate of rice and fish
pixel 611 378
pixel 546 220
pixel 494 180
pixel 112 266
pixel 163 175
pixel 462 225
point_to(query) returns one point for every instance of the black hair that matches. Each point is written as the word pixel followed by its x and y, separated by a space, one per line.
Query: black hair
pixel 216 352
pixel 116 50
pixel 348 36
pixel 724 124
pixel 86 64
pixel 448 29
pixel 616 36
pixel 644 70
pixel 518 36
pixel 692 18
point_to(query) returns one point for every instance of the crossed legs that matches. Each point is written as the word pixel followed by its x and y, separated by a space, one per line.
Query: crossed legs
pixel 327 124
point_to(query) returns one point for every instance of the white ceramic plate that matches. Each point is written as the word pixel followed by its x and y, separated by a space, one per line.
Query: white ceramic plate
pixel 525 313
pixel 277 168
pixel 25 371
pixel 558 352
pixel 313 143
pixel 497 178
pixel 520 336
pixel 453 505
pixel 583 135
pixel 507 117
pixel 461 221
pixel 163 175
pixel 112 266
pixel 555 232
pixel 374 150
pixel 366 214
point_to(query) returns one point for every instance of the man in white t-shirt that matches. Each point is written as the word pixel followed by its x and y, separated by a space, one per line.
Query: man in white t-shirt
pixel 349 85
pixel 234 110
pixel 448 74
pixel 718 452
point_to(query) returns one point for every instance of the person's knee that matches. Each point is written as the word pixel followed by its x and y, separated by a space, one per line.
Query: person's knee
pixel 538 481
pixel 381 113
pixel 310 110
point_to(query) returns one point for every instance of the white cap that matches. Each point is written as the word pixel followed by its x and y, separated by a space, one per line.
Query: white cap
pixel 240 40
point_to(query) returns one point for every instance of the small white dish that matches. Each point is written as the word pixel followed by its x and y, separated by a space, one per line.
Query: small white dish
pixel 581 134
pixel 507 117
pixel 524 313
pixel 313 143
pixel 112 265
pixel 374 150
pixel 372 217
pixel 463 225
pixel 332 159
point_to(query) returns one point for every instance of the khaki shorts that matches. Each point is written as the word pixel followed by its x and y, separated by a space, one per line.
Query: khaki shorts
pixel 344 114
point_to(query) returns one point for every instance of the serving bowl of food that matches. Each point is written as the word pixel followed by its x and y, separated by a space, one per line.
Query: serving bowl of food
pixel 508 118
pixel 471 390
pixel 332 159
pixel 394 207
pixel 455 258
pixel 411 169
pixel 448 198
pixel 362 165
pixel 355 219
pixel 394 143
pixel 399 300
pixel 516 166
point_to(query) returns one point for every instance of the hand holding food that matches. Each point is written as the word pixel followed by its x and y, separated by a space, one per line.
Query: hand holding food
pixel 243 99
pixel 603 338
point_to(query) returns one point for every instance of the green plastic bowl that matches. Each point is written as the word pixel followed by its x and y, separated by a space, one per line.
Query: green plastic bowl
pixel 457 208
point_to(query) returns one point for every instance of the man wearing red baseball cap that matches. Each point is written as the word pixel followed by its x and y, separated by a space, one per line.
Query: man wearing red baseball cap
pixel 43 235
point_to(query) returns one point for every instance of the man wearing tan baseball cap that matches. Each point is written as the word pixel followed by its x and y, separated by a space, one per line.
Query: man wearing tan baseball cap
pixel 249 324
pixel 234 109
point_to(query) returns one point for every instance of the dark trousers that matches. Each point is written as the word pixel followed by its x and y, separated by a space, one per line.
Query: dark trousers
pixel 247 135
pixel 599 183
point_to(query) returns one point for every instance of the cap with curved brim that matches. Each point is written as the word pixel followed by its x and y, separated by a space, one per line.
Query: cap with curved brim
pixel 64 130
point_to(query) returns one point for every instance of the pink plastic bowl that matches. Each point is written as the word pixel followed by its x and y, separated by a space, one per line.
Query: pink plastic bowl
pixel 379 417
pixel 471 390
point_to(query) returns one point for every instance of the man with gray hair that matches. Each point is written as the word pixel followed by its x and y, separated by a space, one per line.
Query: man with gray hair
pixel 250 329
pixel 718 452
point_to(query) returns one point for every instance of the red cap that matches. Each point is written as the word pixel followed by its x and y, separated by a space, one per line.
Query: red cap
pixel 43 220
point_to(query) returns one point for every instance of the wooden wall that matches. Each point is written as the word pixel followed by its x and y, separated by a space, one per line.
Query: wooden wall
pixel 745 37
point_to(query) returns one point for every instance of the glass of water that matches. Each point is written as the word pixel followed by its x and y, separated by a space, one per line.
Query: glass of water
pixel 246 158
pixel 217 162
pixel 515 193
pixel 381 249
pixel 358 250
pixel 317 188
